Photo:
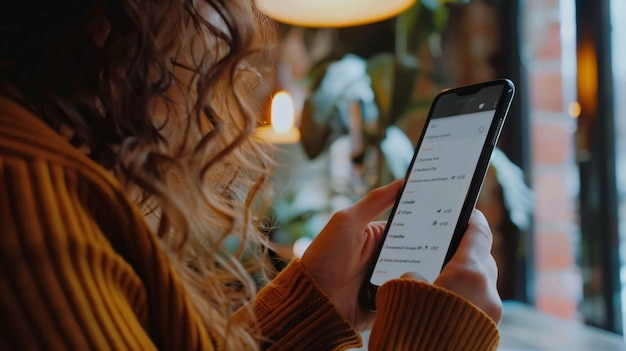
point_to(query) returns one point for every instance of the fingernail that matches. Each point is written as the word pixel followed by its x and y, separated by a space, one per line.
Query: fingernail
pixel 415 276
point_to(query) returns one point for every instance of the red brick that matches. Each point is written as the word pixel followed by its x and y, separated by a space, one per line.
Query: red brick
pixel 552 144
pixel 553 251
pixel 558 292
pixel 558 283
pixel 550 46
pixel 557 306
pixel 536 6
pixel 552 202
pixel 546 91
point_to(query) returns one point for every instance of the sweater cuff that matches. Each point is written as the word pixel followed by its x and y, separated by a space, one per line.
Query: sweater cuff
pixel 294 313
pixel 427 317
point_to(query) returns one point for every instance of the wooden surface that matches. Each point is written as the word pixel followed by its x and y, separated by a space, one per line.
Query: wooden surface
pixel 523 328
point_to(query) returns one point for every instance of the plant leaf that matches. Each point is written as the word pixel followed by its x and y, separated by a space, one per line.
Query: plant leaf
pixel 393 78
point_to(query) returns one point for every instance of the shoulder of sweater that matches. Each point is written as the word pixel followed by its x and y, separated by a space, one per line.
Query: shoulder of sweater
pixel 25 136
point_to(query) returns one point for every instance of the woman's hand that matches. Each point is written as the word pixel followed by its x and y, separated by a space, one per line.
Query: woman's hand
pixel 339 256
pixel 472 272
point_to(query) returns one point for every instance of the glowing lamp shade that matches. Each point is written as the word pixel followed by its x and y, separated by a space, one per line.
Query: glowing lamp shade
pixel 332 13
pixel 282 129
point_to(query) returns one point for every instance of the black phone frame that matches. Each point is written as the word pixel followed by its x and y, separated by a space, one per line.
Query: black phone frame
pixel 367 294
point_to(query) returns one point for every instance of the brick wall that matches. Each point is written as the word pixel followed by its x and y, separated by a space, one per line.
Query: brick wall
pixel 547 49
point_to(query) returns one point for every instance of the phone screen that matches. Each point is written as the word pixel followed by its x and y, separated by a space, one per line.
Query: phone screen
pixel 442 183
pixel 432 198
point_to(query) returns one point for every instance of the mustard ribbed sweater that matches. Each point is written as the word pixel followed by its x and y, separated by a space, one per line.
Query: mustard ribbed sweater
pixel 80 270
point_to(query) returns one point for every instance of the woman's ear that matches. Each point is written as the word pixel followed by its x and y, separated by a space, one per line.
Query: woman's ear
pixel 101 32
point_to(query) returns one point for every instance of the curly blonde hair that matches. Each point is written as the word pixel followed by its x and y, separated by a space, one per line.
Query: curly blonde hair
pixel 165 101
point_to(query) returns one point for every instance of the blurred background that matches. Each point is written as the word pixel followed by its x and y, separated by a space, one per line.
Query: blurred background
pixel 354 95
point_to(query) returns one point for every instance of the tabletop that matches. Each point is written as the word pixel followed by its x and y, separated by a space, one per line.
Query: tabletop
pixel 524 328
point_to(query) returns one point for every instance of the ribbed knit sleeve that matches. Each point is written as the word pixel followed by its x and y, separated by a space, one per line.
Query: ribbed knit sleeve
pixel 418 316
pixel 294 313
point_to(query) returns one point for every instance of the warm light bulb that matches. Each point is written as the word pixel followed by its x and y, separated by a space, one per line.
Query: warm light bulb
pixel 282 112
pixel 574 109
pixel 282 129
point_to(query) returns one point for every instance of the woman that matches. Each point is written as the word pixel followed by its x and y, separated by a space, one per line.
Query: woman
pixel 128 169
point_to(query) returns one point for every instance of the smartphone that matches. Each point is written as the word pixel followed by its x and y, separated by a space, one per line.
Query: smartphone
pixel 442 184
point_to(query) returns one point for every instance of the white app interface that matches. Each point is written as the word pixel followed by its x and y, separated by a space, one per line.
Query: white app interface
pixel 424 220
